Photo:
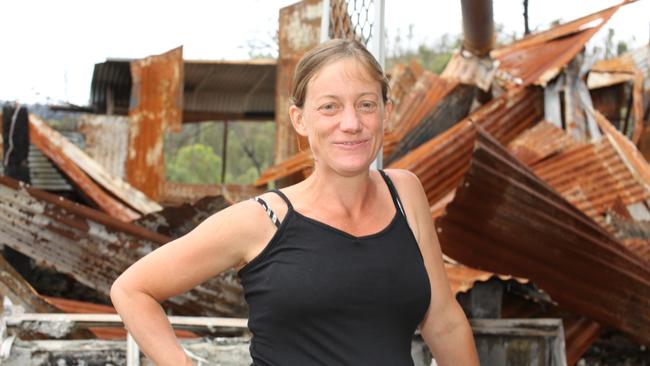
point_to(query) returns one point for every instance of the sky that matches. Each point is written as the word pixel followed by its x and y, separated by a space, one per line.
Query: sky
pixel 50 47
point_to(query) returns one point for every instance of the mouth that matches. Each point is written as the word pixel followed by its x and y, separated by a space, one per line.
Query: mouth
pixel 351 144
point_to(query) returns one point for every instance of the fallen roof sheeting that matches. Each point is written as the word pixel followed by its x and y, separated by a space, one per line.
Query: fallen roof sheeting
pixel 42 138
pixel 539 142
pixel 539 57
pixel 441 162
pixel 58 144
pixel 95 248
pixel 501 207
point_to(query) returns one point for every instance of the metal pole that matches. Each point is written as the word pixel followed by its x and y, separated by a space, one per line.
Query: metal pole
pixel 325 22
pixel 376 46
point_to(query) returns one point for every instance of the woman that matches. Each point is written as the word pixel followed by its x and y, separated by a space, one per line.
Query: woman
pixel 338 269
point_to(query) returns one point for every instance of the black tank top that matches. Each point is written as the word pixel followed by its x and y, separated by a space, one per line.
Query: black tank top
pixel 320 296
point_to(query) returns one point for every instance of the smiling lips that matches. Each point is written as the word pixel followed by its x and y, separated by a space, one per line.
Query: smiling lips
pixel 351 144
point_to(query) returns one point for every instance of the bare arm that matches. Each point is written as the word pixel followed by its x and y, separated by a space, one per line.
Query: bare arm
pixel 222 241
pixel 444 328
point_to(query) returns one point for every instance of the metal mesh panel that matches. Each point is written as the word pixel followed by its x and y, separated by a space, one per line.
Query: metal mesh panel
pixel 352 19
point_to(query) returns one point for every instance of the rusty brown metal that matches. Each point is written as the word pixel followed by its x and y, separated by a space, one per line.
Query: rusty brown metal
pixel 181 193
pixel 598 172
pixel 441 162
pixel 293 165
pixel 462 278
pixel 106 140
pixel 504 219
pixel 95 248
pixel 20 292
pixel 157 100
pixel 539 57
pixel 539 142
pixel 299 31
pixel 48 141
pixel 478 26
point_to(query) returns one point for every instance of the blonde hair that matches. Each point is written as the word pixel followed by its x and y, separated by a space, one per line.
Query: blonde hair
pixel 331 51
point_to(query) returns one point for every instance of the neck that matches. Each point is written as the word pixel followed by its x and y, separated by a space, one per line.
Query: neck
pixel 346 193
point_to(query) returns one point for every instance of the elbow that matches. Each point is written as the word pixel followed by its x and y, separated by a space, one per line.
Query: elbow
pixel 117 291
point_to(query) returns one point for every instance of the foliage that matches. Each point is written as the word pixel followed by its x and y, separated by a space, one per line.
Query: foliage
pixel 190 155
pixel 194 163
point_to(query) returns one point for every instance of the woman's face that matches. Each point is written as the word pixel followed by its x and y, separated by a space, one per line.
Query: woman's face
pixel 342 117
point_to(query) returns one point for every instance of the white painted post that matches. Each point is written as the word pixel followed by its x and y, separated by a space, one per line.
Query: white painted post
pixel 325 22
pixel 132 351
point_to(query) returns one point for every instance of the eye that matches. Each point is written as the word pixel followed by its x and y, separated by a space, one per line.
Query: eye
pixel 367 106
pixel 329 108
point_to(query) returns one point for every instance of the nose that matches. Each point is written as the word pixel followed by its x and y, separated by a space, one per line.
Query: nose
pixel 350 120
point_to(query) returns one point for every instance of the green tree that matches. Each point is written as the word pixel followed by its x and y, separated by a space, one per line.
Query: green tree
pixel 194 163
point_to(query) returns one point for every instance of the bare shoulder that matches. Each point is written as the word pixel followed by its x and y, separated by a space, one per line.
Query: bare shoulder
pixel 408 186
pixel 414 200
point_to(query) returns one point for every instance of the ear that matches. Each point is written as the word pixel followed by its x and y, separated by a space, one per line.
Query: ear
pixel 297 120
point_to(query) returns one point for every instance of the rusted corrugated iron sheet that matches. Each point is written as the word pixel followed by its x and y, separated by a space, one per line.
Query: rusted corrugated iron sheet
pixel 539 142
pixel 106 141
pixel 598 171
pixel 95 248
pixel 181 193
pixel 441 162
pixel 20 292
pixel 98 173
pixel 539 57
pixel 633 234
pixel 402 79
pixel 177 221
pixel 295 164
pixel 463 278
pixel 298 32
pixel 48 141
pixel 504 219
pixel 430 110
pixel 157 100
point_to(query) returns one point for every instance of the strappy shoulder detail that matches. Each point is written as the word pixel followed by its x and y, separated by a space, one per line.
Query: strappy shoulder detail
pixel 269 211
pixel 393 192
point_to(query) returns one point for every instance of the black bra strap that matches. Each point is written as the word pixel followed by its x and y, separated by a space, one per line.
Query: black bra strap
pixel 284 197
pixel 393 192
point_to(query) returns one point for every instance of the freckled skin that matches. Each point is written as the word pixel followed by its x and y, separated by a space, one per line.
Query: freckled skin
pixel 343 117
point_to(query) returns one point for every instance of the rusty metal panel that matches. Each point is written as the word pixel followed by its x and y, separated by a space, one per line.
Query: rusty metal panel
pixel 20 292
pixel 504 219
pixel 299 31
pixel 95 248
pixel 417 103
pixel 157 104
pixel 463 278
pixel 441 162
pixel 597 172
pixel 539 142
pixel 49 142
pixel 78 157
pixel 181 193
pixel 293 165
pixel 106 141
pixel 446 112
pixel 539 57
